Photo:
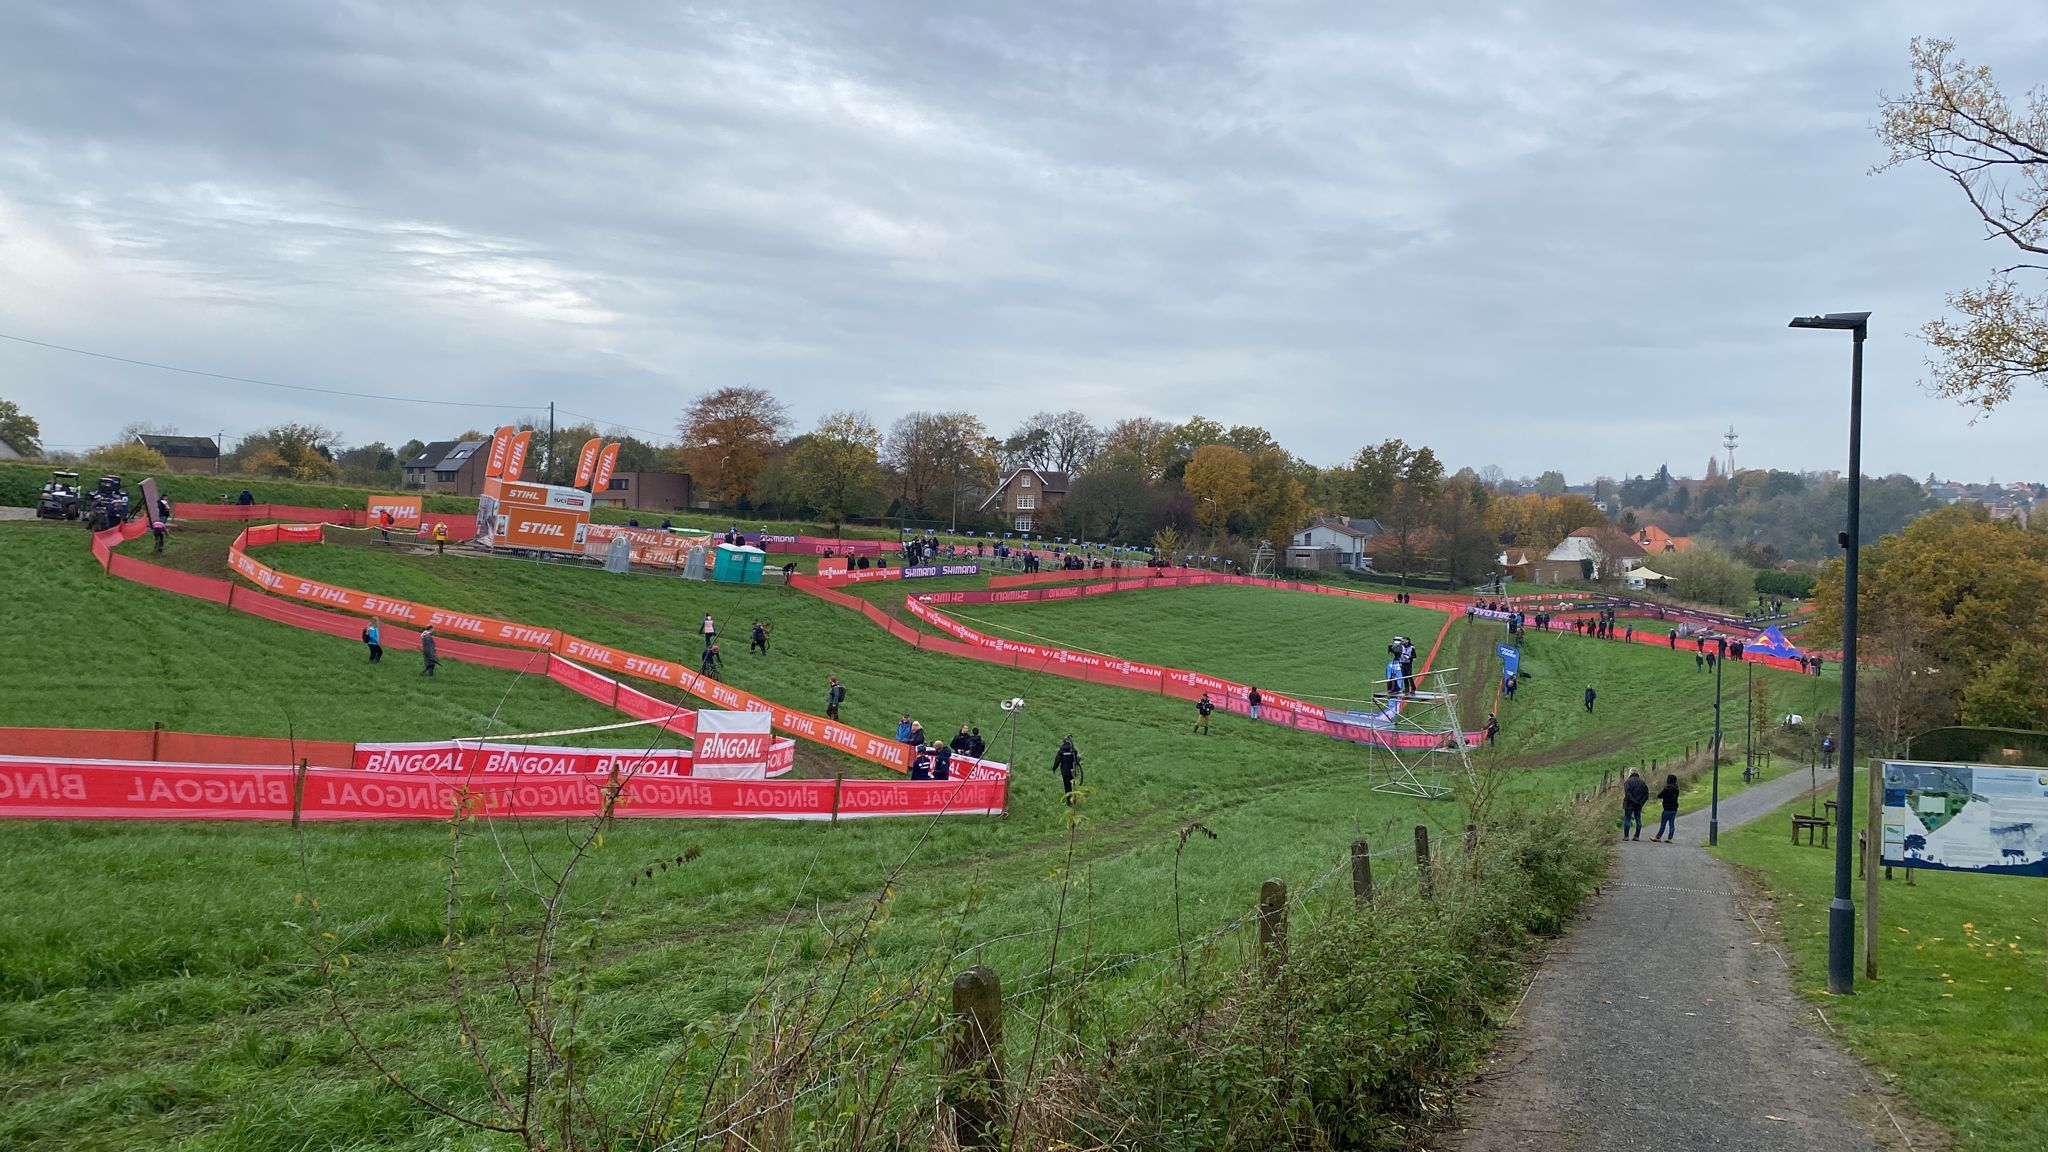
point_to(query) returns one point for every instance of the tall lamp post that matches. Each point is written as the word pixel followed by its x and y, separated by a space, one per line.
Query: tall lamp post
pixel 1714 804
pixel 1842 910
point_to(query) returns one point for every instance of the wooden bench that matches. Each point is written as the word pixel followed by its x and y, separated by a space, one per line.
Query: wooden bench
pixel 1807 824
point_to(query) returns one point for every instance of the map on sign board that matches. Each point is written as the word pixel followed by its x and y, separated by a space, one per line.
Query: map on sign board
pixel 1966 817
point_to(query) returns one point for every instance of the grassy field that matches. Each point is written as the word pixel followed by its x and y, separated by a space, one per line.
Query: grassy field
pixel 158 994
pixel 1956 1016
pixel 155 986
pixel 1649 703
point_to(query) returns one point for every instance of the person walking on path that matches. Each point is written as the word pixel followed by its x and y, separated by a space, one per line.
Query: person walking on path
pixel 1202 709
pixel 1699 662
pixel 1590 694
pixel 1634 794
pixel 1068 761
pixel 430 652
pixel 1254 700
pixel 1673 638
pixel 1492 727
pixel 759 643
pixel 835 695
pixel 373 639
pixel 156 529
pixel 384 522
pixel 1667 820
pixel 441 538
pixel 710 630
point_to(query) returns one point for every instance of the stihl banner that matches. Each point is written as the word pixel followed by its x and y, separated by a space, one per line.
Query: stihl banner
pixel 405 511
pixel 586 462
pixel 501 443
pixel 607 460
pixel 515 455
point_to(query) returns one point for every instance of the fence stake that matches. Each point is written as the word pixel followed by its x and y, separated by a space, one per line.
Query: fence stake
pixel 1361 872
pixel 298 792
pixel 974 1058
pixel 1423 876
pixel 1273 924
pixel 156 732
pixel 1471 839
pixel 838 786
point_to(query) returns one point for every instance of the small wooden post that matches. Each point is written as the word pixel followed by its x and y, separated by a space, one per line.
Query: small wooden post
pixel 156 732
pixel 1471 839
pixel 838 786
pixel 974 1058
pixel 1361 872
pixel 298 792
pixel 1273 925
pixel 1423 876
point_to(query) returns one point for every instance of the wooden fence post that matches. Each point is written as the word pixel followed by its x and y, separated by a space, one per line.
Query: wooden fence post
pixel 1273 925
pixel 298 792
pixel 974 1058
pixel 156 732
pixel 1361 872
pixel 838 786
pixel 1423 876
pixel 1471 839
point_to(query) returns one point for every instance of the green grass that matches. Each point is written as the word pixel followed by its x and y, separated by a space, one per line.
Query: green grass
pixel 154 989
pixel 1956 1016
pixel 1650 703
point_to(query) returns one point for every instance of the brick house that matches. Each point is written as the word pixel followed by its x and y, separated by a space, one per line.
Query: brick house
pixel 452 466
pixel 1026 498
pixel 189 454
pixel 654 491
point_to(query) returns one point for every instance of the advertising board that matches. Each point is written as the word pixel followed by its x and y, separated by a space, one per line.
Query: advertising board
pixel 405 511
pixel 1965 817
pixel 543 529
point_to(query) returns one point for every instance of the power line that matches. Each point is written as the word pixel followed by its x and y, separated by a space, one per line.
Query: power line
pixel 268 383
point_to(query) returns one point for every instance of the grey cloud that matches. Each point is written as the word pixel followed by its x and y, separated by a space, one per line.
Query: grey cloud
pixel 1532 234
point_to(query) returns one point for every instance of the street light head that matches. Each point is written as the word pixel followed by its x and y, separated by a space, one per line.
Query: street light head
pixel 1840 321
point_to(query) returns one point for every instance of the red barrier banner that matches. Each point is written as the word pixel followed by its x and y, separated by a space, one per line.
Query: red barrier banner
pixel 40 788
pixel 468 757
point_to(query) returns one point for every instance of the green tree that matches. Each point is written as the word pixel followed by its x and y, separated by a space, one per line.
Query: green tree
pixel 19 430
pixel 1707 574
pixel 1958 121
pixel 837 468
pixel 124 458
pixel 288 452
pixel 1219 479
pixel 727 438
pixel 1109 504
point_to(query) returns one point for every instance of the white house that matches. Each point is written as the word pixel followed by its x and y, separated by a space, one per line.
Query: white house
pixel 1598 545
pixel 1346 535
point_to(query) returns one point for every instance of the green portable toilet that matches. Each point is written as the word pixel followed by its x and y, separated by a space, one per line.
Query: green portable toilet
pixel 738 564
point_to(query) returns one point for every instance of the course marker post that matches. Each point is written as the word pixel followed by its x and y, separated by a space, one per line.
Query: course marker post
pixel 1361 872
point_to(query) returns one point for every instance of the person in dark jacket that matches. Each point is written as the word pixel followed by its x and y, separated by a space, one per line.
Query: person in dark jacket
pixel 759 642
pixel 962 741
pixel 1634 794
pixel 1667 821
pixel 1589 697
pixel 710 662
pixel 1068 761
pixel 917 733
pixel 942 762
pixel 920 764
pixel 246 498
pixel 1255 700
pixel 430 653
pixel 975 744
pixel 1203 707
pixel 373 638
pixel 835 695
pixel 1492 728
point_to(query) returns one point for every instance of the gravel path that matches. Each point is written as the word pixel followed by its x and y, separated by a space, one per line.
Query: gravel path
pixel 1663 1021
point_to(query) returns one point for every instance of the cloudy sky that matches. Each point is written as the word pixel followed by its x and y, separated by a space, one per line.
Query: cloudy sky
pixel 1533 235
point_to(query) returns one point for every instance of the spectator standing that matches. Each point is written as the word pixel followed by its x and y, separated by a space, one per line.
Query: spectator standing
pixel 962 742
pixel 1667 820
pixel 1255 700
pixel 1634 794
pixel 976 745
pixel 942 762
pixel 835 695
pixel 916 733
pixel 441 538
pixel 373 639
pixel 920 763
pixel 430 652
pixel 1492 728
pixel 710 630
pixel 759 642
pixel 1589 697
pixel 1202 709
pixel 903 729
